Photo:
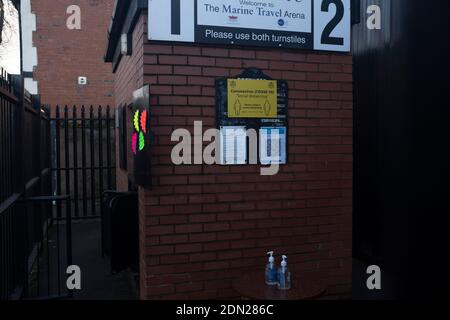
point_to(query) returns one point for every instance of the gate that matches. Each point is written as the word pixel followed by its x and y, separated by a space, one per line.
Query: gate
pixel 34 247
pixel 52 171
pixel 82 157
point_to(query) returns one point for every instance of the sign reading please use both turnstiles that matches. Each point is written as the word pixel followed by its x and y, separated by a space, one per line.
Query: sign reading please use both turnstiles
pixel 298 24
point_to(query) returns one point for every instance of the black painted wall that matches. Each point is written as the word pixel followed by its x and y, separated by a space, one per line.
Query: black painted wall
pixel 402 190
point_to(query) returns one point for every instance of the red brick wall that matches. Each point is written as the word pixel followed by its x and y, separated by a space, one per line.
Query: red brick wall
pixel 129 76
pixel 65 54
pixel 202 226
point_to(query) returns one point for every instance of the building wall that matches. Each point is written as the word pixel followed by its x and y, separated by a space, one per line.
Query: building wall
pixel 129 76
pixel 29 52
pixel 203 226
pixel 65 54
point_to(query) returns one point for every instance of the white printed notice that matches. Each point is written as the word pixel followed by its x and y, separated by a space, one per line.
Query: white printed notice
pixel 272 145
pixel 233 145
pixel 291 16
pixel 298 24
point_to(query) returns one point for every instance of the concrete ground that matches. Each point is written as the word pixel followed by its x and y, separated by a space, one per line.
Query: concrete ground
pixel 97 281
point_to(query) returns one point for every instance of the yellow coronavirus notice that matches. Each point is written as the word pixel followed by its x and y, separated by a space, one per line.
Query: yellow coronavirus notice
pixel 252 98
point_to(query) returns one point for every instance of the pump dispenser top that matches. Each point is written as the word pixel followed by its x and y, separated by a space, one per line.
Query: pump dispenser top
pixel 271 258
pixel 284 262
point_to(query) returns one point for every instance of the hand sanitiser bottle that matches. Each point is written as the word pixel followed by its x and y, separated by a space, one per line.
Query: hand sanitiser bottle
pixel 284 276
pixel 271 271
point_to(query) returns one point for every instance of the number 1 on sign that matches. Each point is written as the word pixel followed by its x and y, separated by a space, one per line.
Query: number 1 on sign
pixel 176 17
pixel 166 23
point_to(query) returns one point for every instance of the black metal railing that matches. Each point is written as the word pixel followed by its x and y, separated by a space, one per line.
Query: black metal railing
pixel 22 172
pixel 52 170
pixel 33 254
pixel 83 161
pixel 8 110
pixel 8 102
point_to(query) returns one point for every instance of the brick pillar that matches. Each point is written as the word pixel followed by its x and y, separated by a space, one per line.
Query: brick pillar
pixel 202 226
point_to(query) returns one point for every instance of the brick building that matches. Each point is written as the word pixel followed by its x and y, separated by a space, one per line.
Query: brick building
pixel 203 226
pixel 63 55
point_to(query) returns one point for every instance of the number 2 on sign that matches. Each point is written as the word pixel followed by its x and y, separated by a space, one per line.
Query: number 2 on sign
pixel 326 35
pixel 332 25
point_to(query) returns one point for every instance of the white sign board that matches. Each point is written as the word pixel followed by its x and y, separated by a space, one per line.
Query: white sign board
pixel 272 148
pixel 233 145
pixel 299 24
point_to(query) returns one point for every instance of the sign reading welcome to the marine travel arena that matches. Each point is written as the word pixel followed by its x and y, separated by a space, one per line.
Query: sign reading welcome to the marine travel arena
pixel 300 24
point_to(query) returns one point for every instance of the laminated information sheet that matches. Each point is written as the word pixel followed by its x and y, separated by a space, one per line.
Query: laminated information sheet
pixel 233 145
pixel 272 145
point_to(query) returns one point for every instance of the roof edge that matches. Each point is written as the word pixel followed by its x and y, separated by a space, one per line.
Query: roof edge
pixel 121 8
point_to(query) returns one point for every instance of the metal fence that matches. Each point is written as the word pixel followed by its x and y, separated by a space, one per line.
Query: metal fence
pixel 83 161
pixel 33 246
pixel 52 170
pixel 8 113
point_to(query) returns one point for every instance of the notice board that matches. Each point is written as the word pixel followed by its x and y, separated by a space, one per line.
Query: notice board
pixel 252 100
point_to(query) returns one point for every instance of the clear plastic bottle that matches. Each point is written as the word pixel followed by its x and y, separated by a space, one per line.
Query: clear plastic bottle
pixel 271 271
pixel 284 276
